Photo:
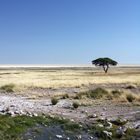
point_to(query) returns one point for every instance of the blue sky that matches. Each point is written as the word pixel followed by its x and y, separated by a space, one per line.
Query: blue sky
pixel 69 31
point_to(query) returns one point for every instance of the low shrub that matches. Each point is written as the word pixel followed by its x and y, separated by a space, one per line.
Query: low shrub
pixel 116 93
pixel 8 88
pixel 97 93
pixel 131 86
pixel 130 98
pixel 78 96
pixel 65 96
pixel 75 105
pixel 54 101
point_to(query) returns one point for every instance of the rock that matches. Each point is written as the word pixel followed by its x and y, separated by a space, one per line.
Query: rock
pixel 132 86
pixel 91 137
pixel 35 114
pixel 120 131
pixel 12 106
pixel 86 111
pixel 92 116
pixel 7 109
pixel 82 111
pixel 21 112
pixel 100 125
pixel 104 108
pixel 11 113
pixel 108 134
pixel 101 119
pixel 29 114
pixel 59 136
pixel 17 112
pixel 102 114
pixel 72 120
pixel 119 121
pixel 2 111
pixel 109 125
pixel 79 137
pixel 137 126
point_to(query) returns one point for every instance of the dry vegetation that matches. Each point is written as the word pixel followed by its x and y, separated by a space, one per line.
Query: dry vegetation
pixel 15 80
pixel 82 94
pixel 57 78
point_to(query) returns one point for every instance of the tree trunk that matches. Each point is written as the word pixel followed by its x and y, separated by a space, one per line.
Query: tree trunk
pixel 106 68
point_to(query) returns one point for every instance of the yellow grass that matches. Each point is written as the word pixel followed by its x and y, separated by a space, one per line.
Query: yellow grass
pixel 57 78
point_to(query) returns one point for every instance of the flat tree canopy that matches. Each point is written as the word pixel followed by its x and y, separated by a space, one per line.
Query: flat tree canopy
pixel 105 63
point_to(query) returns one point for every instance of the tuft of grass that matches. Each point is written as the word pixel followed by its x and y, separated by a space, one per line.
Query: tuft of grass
pixel 54 101
pixel 130 97
pixel 116 93
pixel 78 96
pixel 65 96
pixel 72 126
pixel 12 128
pixel 8 88
pixel 97 93
pixel 131 86
pixel 75 105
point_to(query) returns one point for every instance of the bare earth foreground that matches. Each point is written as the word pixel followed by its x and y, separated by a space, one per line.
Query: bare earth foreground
pixel 29 90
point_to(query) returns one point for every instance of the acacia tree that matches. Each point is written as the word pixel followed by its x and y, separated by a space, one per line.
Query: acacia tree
pixel 105 63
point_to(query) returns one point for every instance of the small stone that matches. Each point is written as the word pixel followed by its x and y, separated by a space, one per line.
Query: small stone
pixel 102 114
pixel 11 113
pixel 109 125
pixel 35 114
pixel 59 136
pixel 12 105
pixel 92 116
pixel 91 137
pixel 3 111
pixel 120 131
pixel 100 125
pixel 86 111
pixel 79 137
pixel 17 112
pixel 108 134
pixel 137 126
pixel 82 111
pixel 104 108
pixel 72 120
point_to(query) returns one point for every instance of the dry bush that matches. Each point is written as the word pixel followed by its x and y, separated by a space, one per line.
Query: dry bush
pixel 54 101
pixel 8 87
pixel 130 97
pixel 75 105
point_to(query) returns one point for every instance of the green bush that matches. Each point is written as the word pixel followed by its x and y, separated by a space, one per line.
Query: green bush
pixel 75 105
pixel 54 101
pixel 8 88
pixel 130 98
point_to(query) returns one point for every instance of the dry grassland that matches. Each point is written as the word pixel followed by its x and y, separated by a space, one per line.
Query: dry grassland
pixel 67 77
